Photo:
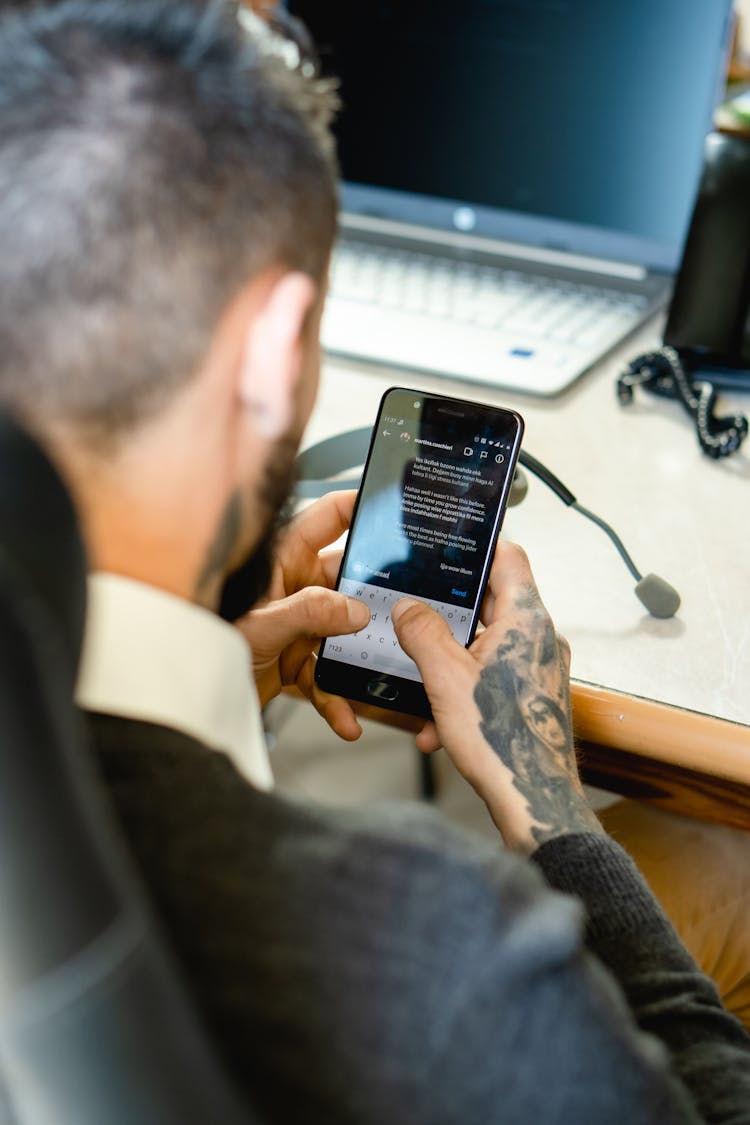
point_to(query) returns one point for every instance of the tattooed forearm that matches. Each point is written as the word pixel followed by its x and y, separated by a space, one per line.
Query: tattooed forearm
pixel 522 696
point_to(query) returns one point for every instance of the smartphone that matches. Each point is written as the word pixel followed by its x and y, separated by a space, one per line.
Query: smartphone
pixel 427 517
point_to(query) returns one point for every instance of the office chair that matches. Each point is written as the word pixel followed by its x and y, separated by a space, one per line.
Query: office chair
pixel 95 1026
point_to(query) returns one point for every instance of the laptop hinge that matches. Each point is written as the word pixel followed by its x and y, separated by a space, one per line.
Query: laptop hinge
pixel 374 225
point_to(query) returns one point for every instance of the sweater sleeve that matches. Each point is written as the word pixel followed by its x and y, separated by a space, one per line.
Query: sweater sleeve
pixel 629 933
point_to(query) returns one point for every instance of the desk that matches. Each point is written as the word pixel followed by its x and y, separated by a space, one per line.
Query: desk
pixel 679 514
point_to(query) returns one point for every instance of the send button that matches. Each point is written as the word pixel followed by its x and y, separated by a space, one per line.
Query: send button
pixel 458 593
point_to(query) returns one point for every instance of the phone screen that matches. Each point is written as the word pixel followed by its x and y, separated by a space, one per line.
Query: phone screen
pixel 427 517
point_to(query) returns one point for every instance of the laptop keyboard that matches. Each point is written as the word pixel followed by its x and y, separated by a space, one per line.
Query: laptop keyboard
pixel 419 307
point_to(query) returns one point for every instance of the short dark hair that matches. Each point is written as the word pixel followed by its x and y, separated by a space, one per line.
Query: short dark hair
pixel 153 158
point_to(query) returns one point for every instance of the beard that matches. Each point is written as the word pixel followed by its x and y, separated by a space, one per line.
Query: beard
pixel 248 582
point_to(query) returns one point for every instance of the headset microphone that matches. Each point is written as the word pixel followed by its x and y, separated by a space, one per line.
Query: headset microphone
pixel 655 593
pixel 344 451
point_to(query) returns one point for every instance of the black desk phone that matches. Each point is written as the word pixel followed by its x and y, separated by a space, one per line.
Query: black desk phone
pixel 709 317
pixel 707 334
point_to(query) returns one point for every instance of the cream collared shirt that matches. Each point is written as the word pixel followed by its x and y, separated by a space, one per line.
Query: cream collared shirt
pixel 150 655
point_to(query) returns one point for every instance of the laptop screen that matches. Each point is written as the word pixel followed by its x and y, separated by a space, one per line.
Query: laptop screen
pixel 572 124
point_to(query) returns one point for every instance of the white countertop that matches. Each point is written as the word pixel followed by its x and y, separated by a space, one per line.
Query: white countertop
pixel 679 514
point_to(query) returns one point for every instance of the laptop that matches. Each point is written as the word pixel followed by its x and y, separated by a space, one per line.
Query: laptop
pixel 518 176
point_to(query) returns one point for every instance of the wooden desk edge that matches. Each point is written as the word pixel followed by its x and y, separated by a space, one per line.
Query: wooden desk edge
pixel 658 731
pixel 682 761
pixel 644 728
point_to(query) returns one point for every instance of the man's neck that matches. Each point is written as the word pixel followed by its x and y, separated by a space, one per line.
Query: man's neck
pixel 148 513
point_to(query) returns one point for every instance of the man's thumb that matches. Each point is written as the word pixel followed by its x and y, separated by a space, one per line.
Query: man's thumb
pixel 423 635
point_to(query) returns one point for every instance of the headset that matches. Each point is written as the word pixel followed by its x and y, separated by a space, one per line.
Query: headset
pixel 320 467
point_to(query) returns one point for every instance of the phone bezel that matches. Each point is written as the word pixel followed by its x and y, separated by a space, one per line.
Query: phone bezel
pixel 350 680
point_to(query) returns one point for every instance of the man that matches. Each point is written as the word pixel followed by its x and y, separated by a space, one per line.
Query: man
pixel 167 207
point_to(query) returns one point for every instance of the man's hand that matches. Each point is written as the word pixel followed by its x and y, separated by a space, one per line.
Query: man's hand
pixel 285 631
pixel 305 555
pixel 502 707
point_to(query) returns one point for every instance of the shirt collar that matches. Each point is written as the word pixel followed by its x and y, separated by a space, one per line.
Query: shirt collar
pixel 152 656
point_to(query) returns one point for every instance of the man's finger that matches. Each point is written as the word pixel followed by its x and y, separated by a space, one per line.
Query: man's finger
pixel 428 739
pixel 330 562
pixel 322 523
pixel 511 583
pixel 312 612
pixel 426 638
pixel 337 712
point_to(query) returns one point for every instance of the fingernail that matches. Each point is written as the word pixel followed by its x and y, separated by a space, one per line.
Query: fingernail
pixel 401 607
pixel 357 612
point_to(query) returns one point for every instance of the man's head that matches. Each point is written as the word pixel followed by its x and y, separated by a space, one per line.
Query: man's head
pixel 167 207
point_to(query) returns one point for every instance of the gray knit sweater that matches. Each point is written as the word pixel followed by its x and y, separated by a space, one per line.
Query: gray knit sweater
pixel 379 967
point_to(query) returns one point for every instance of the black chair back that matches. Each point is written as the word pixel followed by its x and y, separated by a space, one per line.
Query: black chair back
pixel 95 1025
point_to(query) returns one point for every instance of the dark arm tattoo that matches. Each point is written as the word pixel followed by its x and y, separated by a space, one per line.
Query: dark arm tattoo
pixel 523 699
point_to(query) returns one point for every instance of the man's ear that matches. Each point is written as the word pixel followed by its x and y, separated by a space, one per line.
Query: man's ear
pixel 274 353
